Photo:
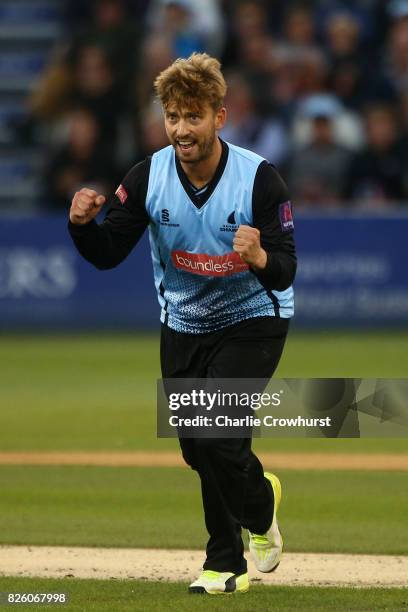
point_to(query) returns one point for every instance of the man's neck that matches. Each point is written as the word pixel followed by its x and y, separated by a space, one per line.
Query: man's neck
pixel 202 172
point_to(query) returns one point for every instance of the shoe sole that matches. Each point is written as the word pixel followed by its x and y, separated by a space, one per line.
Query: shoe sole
pixel 200 590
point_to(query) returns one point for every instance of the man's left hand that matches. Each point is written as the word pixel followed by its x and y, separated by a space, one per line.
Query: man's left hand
pixel 247 243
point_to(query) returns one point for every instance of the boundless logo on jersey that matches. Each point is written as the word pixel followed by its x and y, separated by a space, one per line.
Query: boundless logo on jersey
pixel 231 225
pixel 209 265
pixel 285 216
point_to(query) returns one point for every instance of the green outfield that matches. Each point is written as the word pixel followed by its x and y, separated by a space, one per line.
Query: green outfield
pixel 97 393
pixel 140 596
pixel 160 507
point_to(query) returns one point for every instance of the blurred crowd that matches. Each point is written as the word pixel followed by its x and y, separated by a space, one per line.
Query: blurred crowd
pixel 319 88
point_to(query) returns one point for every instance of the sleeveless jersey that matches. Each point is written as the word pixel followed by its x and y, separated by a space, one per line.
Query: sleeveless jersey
pixel 202 284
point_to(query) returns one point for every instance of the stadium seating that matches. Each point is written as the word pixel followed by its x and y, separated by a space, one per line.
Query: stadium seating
pixel 28 29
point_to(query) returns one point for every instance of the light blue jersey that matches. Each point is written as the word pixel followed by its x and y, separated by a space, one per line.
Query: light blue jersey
pixel 202 284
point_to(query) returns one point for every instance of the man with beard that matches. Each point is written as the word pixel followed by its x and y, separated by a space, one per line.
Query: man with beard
pixel 221 236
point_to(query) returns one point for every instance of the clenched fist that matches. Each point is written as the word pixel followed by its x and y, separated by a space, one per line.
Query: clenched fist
pixel 85 206
pixel 247 244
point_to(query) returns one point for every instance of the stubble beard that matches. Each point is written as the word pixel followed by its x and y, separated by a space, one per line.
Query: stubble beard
pixel 205 149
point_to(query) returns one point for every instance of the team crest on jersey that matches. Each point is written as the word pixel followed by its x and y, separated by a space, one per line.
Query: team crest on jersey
pixel 122 194
pixel 285 216
pixel 165 219
pixel 231 225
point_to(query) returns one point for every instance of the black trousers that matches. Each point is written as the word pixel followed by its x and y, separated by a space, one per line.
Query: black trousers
pixel 235 493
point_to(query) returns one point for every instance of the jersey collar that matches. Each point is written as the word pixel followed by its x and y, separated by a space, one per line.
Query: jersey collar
pixel 201 198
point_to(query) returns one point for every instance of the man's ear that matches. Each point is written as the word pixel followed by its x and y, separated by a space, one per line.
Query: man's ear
pixel 220 118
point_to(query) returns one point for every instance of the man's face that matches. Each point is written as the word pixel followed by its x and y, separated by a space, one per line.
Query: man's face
pixel 193 131
pixel 322 129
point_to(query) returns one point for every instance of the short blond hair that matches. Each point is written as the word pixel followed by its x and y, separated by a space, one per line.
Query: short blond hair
pixel 191 82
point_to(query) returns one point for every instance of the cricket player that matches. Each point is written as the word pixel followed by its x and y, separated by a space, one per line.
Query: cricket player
pixel 221 235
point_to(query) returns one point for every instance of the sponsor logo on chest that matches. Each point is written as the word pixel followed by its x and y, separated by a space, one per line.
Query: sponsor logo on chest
pixel 209 265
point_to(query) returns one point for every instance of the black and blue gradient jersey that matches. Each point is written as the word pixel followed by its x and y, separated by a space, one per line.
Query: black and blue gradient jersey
pixel 202 284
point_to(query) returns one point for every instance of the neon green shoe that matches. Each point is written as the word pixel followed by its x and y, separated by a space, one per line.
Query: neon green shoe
pixel 219 583
pixel 266 549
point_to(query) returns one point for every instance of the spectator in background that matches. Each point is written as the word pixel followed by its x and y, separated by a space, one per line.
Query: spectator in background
pixel 156 55
pixel 153 135
pixel 96 88
pixel 317 172
pixel 346 125
pixel 404 112
pixel 299 29
pixel 306 73
pixel 364 11
pixel 84 158
pixel 250 45
pixel 247 128
pixel 298 67
pixel 397 60
pixel 174 21
pixel 342 38
pixel 247 21
pixel 52 96
pixel 256 64
pixel 283 83
pixel 281 56
pixel 256 55
pixel 403 109
pixel 77 13
pixel 250 18
pixel 112 30
pixel 375 176
pixel 311 70
pixel 201 21
pixel 87 80
pixel 354 75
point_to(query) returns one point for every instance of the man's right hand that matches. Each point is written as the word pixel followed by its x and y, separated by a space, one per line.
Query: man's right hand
pixel 86 204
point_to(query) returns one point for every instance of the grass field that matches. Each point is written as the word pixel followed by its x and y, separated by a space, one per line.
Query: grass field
pixel 97 393
pixel 138 596
pixel 94 506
